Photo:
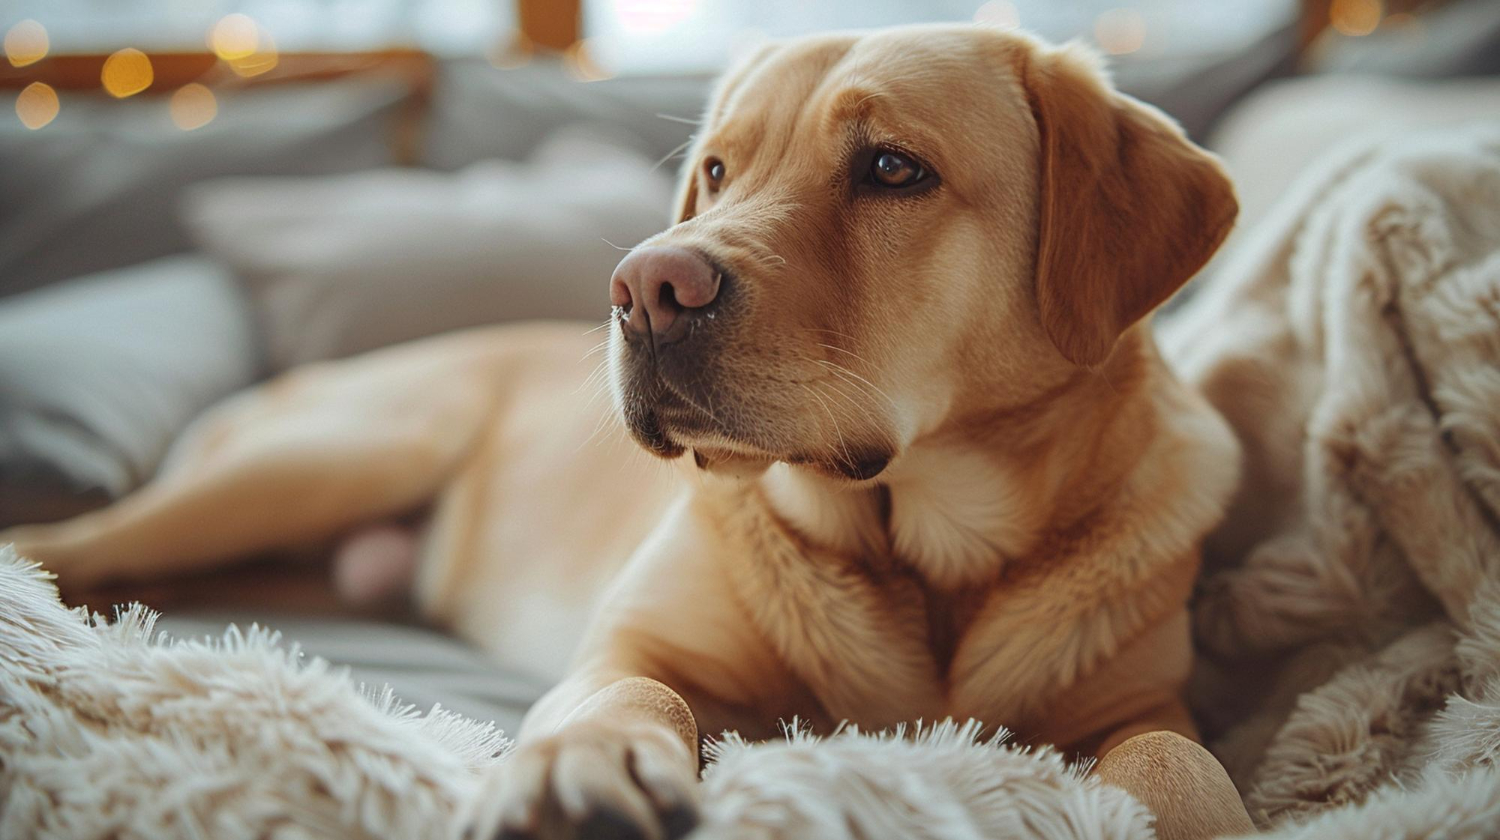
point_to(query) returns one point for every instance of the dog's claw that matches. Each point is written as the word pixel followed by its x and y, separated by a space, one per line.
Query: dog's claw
pixel 679 822
pixel 607 824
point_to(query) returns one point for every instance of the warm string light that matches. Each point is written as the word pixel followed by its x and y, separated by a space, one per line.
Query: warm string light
pixel 126 73
pixel 37 105
pixel 234 37
pixel 243 44
pixel 193 106
pixel 1355 17
pixel 26 43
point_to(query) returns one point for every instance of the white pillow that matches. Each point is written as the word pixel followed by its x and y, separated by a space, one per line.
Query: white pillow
pixel 344 264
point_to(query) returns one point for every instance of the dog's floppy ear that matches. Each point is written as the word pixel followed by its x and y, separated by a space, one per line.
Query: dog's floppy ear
pixel 1130 209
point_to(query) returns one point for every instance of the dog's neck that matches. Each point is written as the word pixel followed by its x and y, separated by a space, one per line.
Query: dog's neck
pixel 990 484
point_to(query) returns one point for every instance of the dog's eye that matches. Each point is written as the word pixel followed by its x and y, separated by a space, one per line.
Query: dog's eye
pixel 714 169
pixel 893 169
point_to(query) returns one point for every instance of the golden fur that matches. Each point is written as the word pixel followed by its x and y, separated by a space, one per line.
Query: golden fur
pixel 943 470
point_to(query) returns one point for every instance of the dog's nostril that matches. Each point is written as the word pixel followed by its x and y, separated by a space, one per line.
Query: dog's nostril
pixel 668 298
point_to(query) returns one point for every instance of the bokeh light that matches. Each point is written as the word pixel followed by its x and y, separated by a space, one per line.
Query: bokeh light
pixel 262 60
pixel 1355 17
pixel 234 37
pixel 581 65
pixel 1001 13
pixel 1120 31
pixel 243 44
pixel 126 73
pixel 37 105
pixel 193 106
pixel 26 43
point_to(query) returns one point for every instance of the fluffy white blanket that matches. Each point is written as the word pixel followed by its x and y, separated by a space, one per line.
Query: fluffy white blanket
pixel 107 732
pixel 1349 620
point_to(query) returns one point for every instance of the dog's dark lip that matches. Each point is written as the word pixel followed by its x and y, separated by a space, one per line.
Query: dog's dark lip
pixel 648 430
pixel 851 468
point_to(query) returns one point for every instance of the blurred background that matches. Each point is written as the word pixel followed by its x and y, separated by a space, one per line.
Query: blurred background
pixel 198 194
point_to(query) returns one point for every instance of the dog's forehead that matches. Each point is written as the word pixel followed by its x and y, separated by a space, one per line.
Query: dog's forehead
pixel 912 76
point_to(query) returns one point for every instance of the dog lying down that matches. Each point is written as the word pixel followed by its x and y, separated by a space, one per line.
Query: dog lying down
pixel 936 465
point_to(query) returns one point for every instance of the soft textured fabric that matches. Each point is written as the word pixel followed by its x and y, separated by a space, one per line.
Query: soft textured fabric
pixel 341 265
pixel 107 732
pixel 98 375
pixel 1349 616
pixel 98 187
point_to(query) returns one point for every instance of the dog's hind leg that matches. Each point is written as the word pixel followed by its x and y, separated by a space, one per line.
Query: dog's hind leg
pixel 290 462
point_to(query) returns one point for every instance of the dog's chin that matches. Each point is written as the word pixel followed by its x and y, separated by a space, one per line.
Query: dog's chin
pixel 716 453
pixel 668 426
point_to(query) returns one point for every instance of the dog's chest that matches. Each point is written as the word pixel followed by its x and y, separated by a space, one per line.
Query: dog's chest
pixel 869 637
pixel 950 616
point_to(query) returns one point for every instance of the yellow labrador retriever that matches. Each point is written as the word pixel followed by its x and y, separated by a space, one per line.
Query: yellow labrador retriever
pixel 937 467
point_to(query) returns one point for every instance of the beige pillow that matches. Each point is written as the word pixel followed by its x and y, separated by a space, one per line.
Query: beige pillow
pixel 344 264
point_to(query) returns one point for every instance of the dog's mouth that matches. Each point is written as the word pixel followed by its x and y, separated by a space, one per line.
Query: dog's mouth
pixel 669 424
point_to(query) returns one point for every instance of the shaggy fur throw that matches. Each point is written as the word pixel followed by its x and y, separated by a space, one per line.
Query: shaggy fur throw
pixel 107 732
pixel 1348 623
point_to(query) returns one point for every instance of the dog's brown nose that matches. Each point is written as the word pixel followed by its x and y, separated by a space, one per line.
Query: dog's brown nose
pixel 657 286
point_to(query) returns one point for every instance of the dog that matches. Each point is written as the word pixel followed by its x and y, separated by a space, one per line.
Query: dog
pixel 937 466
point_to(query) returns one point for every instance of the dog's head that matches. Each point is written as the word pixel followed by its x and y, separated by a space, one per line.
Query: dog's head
pixel 878 233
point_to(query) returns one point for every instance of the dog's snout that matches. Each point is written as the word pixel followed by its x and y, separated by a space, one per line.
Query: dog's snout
pixel 656 287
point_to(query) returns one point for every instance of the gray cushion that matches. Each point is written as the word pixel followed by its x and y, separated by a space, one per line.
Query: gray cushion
pixel 480 112
pixel 98 187
pixel 98 374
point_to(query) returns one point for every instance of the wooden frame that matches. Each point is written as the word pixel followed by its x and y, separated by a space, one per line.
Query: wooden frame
pixel 551 25
pixel 171 70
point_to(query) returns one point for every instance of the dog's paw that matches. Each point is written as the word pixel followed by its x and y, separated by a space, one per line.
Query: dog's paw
pixel 594 780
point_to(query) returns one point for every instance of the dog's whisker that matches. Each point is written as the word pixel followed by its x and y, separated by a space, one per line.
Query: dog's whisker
pixel 855 402
pixel 847 373
pixel 676 119
pixel 835 333
pixel 838 432
pixel 674 152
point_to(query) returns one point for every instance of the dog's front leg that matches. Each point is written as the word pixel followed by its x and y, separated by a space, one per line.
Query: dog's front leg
pixel 612 751
pixel 622 763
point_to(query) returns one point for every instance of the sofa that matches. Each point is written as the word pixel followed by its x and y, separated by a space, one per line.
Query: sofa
pixel 146 273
